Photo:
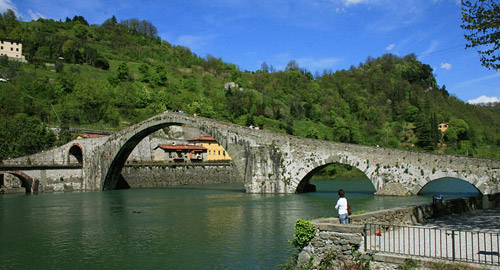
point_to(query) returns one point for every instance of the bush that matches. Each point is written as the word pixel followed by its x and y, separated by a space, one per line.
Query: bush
pixel 304 232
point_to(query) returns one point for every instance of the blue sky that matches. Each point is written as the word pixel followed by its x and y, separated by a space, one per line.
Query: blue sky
pixel 318 34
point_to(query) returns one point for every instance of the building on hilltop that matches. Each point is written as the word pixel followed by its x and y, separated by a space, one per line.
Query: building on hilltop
pixel 182 153
pixel 444 126
pixel 13 49
pixel 215 151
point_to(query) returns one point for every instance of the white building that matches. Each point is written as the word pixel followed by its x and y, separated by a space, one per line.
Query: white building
pixel 13 49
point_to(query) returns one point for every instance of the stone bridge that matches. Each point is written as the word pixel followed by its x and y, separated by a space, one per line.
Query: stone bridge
pixel 276 163
pixel 270 162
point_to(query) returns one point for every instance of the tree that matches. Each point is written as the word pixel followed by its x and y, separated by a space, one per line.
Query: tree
pixel 425 133
pixel 481 19
pixel 122 72
pixel 292 65
pixel 80 19
pixel 111 21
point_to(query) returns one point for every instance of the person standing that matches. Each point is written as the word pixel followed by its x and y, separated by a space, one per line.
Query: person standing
pixel 341 206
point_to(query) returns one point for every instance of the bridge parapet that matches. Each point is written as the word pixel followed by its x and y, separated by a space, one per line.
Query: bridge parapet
pixel 59 155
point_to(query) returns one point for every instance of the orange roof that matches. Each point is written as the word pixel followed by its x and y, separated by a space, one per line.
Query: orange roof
pixel 92 135
pixel 181 147
pixel 203 138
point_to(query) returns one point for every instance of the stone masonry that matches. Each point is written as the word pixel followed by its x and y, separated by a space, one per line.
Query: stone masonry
pixel 269 162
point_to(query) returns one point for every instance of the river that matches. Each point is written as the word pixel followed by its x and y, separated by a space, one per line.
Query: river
pixel 193 227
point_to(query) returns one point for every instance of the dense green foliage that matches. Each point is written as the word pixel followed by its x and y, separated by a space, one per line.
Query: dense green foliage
pixel 481 20
pixel 112 75
pixel 304 232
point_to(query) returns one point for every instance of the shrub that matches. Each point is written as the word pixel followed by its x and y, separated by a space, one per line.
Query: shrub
pixel 304 232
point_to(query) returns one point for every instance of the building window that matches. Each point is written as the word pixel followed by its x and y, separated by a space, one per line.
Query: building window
pixel 2 48
pixel 17 49
pixel 11 49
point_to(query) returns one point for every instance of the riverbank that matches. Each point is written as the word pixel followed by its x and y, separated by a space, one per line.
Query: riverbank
pixel 394 231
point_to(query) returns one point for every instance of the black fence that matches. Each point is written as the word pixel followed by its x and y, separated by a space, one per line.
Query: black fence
pixel 453 245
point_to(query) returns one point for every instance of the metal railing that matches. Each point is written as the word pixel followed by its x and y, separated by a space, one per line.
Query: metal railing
pixel 453 245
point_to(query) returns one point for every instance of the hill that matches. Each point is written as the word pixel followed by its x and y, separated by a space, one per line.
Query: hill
pixel 112 75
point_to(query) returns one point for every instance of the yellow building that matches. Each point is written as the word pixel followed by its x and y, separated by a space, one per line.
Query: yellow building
pixel 12 48
pixel 215 151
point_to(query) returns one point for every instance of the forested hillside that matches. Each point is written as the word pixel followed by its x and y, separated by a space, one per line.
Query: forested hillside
pixel 112 75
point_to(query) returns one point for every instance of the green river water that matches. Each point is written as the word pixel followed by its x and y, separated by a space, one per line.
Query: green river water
pixel 193 227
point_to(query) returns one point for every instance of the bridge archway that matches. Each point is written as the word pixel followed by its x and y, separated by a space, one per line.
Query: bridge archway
pixel 441 186
pixel 75 154
pixel 305 184
pixel 26 181
pixel 114 179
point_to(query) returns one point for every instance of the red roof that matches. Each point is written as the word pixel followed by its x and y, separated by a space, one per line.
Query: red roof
pixel 86 135
pixel 181 147
pixel 203 138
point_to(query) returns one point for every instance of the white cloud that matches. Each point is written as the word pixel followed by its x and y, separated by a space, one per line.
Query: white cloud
pixel 353 2
pixel 483 99
pixel 430 50
pixel 313 64
pixel 194 42
pixel 390 47
pixel 35 15
pixel 7 4
pixel 477 80
pixel 446 66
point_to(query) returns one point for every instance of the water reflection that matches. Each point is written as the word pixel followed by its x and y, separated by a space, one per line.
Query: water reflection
pixel 197 227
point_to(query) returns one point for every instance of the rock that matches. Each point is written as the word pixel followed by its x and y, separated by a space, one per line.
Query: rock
pixel 393 189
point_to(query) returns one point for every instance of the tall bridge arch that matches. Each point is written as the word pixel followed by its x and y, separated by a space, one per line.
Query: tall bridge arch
pixel 270 162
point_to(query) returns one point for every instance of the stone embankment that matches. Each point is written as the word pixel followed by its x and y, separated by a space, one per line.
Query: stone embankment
pixel 158 176
pixel 136 176
pixel 345 241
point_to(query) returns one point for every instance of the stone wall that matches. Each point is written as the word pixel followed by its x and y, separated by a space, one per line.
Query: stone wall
pixel 137 176
pixel 343 240
pixel 157 176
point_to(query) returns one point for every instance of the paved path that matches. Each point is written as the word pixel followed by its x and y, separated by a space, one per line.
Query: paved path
pixel 479 220
pixel 470 237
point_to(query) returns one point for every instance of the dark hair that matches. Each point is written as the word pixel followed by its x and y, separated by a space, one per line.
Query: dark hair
pixel 341 192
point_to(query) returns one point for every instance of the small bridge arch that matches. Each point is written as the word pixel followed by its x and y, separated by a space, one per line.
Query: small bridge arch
pixel 460 186
pixel 75 154
pixel 304 185
pixel 26 181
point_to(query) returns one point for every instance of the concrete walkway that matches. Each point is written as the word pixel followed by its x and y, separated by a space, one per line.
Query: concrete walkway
pixel 479 220
pixel 470 237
